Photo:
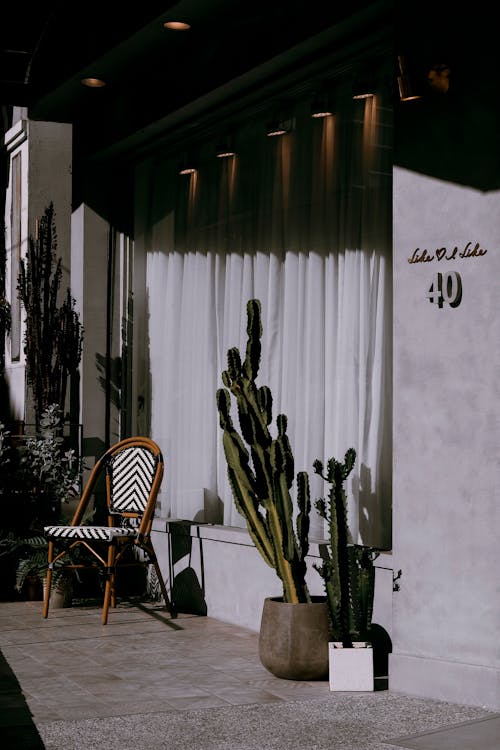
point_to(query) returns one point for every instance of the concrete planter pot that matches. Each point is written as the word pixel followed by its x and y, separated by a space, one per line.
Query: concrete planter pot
pixel 293 639
pixel 351 669
pixel 61 593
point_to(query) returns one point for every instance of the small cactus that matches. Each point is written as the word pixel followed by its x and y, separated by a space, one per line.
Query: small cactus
pixel 347 569
pixel 261 468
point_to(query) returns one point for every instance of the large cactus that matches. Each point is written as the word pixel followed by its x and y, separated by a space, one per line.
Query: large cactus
pixel 53 335
pixel 347 569
pixel 261 475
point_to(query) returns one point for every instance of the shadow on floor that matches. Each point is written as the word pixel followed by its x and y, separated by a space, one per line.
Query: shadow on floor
pixel 17 728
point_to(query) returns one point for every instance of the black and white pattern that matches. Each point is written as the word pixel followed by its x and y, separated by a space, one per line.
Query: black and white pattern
pixel 90 533
pixel 132 472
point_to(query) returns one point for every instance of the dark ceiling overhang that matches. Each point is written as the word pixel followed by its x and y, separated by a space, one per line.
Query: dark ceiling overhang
pixel 326 56
pixel 159 80
pixel 153 73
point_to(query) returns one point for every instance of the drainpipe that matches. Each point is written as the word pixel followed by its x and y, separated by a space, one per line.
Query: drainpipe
pixel 109 323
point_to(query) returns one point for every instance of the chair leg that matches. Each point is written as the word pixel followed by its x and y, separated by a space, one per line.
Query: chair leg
pixel 109 590
pixel 168 605
pixel 48 580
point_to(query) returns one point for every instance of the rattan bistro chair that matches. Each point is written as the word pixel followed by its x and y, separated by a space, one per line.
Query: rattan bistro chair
pixel 132 470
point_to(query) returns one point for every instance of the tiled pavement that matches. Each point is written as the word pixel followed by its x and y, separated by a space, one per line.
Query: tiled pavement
pixel 146 681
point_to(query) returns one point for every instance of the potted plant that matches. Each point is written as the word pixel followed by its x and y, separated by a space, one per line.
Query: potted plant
pixel 349 579
pixel 53 332
pixel 32 570
pixel 38 477
pixel 293 639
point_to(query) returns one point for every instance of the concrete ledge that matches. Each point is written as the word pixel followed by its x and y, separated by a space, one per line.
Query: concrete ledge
pixel 217 570
pixel 239 535
pixel 475 685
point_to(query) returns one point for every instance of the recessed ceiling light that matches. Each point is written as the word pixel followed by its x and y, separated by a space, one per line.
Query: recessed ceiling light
pixel 93 83
pixel 177 25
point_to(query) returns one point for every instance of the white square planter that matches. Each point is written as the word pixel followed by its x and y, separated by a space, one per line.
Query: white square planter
pixel 350 668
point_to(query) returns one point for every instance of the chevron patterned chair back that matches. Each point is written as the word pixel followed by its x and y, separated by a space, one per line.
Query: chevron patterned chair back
pixel 133 471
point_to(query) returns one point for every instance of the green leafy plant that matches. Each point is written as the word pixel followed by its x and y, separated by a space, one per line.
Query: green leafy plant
pixel 32 563
pixel 347 569
pixel 38 475
pixel 46 468
pixel 32 560
pixel 261 468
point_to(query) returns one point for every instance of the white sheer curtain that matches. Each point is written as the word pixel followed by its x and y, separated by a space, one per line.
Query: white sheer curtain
pixel 302 223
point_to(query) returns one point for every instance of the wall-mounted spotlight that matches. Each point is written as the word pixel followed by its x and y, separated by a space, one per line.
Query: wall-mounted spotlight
pixel 322 106
pixel 187 166
pixel 177 25
pixel 278 126
pixel 224 149
pixel 363 85
pixel 93 83
pixel 438 77
pixel 406 82
pixel 275 127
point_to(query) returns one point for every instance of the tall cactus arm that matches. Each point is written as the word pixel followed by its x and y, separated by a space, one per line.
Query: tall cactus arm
pixel 224 407
pixel 283 567
pixel 256 524
pixel 265 400
pixel 282 439
pixel 242 484
pixel 254 331
pixel 233 367
pixel 284 511
pixel 303 516
pixel 253 417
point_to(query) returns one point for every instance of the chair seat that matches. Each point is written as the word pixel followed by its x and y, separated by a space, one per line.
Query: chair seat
pixel 92 533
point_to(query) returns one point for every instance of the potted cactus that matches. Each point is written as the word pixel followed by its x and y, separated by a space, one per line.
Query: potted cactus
pixel 349 579
pixel 293 641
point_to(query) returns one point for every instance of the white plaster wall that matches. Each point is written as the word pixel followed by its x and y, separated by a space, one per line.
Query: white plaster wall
pixel 50 180
pixel 235 579
pixel 446 457
pixel 46 176
pixel 16 143
pixel 89 275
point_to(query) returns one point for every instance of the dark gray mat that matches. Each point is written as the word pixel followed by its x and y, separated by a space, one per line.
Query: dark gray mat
pixel 483 734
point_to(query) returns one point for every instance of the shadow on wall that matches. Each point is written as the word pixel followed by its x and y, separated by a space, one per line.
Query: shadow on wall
pixel 382 647
pixel 375 513
pixel 187 592
pixel 110 376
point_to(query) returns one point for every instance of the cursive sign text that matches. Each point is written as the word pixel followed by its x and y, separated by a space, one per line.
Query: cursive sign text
pixel 442 253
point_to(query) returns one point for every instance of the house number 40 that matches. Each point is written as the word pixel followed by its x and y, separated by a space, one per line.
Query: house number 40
pixel 445 287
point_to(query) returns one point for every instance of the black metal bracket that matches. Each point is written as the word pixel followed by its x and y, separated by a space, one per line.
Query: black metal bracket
pixel 395 579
